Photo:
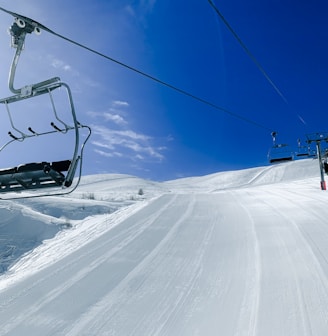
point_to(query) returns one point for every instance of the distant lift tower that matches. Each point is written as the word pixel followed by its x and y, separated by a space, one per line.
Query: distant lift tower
pixel 318 138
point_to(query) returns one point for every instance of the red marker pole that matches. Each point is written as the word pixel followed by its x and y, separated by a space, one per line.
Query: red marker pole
pixel 323 185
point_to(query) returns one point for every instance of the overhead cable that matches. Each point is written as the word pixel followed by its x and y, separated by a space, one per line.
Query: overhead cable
pixel 252 57
pixel 175 88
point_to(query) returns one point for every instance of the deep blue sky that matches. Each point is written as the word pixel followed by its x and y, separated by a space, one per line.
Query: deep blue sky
pixel 145 129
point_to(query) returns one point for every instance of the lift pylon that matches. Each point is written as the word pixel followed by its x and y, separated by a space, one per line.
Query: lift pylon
pixel 318 138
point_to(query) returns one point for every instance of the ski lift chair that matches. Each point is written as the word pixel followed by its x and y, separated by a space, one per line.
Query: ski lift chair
pixel 303 151
pixel 279 152
pixel 45 174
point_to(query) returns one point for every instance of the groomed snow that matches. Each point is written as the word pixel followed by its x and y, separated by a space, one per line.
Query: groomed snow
pixel 233 253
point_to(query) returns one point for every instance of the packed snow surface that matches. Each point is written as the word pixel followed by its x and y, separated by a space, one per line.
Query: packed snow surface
pixel 233 253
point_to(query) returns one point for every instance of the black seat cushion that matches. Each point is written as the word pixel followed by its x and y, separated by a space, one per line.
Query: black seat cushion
pixel 33 175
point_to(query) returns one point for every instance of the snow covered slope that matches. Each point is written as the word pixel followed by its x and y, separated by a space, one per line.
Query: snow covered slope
pixel 291 171
pixel 234 253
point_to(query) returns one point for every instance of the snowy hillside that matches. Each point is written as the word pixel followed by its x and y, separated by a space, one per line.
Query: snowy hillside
pixel 233 253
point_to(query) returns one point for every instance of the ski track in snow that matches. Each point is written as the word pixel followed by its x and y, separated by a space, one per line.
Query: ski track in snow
pixel 247 323
pixel 295 289
pixel 174 281
pixel 85 263
pixel 242 262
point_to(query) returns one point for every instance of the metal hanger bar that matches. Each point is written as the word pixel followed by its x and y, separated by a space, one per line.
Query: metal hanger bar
pixel 55 112
pixel 23 135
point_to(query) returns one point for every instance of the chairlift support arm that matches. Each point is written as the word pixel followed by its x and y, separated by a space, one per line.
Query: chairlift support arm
pixel 18 31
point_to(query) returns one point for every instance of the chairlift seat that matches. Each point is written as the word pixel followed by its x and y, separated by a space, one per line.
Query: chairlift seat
pixel 34 175
pixel 281 159
pixel 302 154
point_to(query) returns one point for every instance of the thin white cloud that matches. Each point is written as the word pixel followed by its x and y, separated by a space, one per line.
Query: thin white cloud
pixel 116 118
pixel 77 85
pixel 133 135
pixel 120 103
pixel 100 144
pixel 107 154
pixel 115 113
pixel 107 116
pixel 59 64
pixel 119 138
pixel 113 137
pixel 150 151
pixel 127 140
pixel 139 157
